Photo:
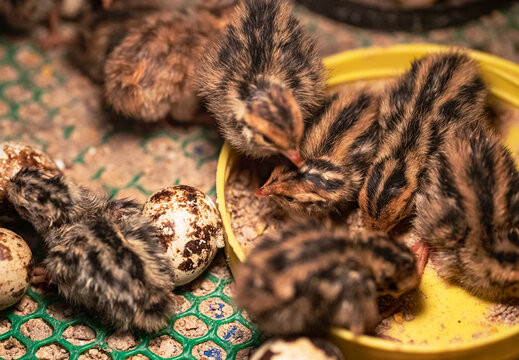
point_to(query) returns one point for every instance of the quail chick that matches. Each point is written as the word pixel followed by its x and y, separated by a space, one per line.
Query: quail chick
pixel 25 14
pixel 468 214
pixel 262 79
pixel 438 95
pixel 102 254
pixel 312 276
pixel 99 32
pixel 150 74
pixel 337 150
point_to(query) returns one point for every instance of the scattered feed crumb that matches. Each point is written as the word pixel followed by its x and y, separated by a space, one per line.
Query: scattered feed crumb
pixel 122 341
pixel 506 314
pixel 5 325
pixel 36 329
pixel 190 327
pixel 234 333
pixel 79 334
pixel 251 216
pixel 25 306
pixel 181 303
pixel 201 286
pixel 215 309
pixel 229 290
pixel 94 354
pixel 208 350
pixel 61 311
pixel 244 354
pixel 52 352
pixel 137 357
pixel 165 346
pixel 12 348
pixel 219 267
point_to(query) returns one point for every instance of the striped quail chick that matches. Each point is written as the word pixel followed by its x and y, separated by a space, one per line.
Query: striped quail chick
pixel 99 32
pixel 440 94
pixel 102 254
pixel 468 214
pixel 262 79
pixel 312 276
pixel 337 150
pixel 150 73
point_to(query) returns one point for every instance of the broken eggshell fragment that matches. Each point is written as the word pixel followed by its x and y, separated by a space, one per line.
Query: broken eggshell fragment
pixel 189 228
pixel 15 268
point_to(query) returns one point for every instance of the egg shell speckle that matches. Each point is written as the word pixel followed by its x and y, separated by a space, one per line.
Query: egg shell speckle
pixel 189 228
pixel 298 348
pixel 13 158
pixel 15 267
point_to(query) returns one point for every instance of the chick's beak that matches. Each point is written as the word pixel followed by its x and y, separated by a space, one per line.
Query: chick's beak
pixel 262 192
pixel 294 156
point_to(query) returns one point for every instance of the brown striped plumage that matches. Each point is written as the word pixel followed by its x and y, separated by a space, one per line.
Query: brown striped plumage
pixel 312 276
pixel 438 95
pixel 337 150
pixel 102 254
pixel 468 214
pixel 262 79
pixel 150 74
pixel 25 14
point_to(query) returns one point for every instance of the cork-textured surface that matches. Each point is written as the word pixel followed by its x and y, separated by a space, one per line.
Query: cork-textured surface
pixel 47 103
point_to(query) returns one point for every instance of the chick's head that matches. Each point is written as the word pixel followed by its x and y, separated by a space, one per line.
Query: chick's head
pixel 304 190
pixel 272 121
pixel 41 198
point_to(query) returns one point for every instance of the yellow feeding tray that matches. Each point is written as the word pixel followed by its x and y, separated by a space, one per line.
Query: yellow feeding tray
pixel 450 324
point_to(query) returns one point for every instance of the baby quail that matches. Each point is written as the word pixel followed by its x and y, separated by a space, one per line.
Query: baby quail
pixel 311 276
pixel 438 95
pixel 262 79
pixel 102 254
pixel 468 214
pixel 150 73
pixel 337 150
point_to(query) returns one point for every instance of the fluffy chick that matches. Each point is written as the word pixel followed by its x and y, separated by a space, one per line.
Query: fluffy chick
pixel 25 14
pixel 337 150
pixel 438 95
pixel 312 276
pixel 102 254
pixel 150 74
pixel 262 79
pixel 469 214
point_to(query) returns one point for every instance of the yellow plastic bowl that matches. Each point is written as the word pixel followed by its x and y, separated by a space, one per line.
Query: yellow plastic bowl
pixel 448 310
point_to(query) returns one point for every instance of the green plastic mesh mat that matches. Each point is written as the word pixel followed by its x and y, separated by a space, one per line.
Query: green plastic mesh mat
pixel 207 328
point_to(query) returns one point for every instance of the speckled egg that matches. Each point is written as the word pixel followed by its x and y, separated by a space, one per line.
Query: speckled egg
pixel 15 267
pixel 298 348
pixel 14 157
pixel 189 228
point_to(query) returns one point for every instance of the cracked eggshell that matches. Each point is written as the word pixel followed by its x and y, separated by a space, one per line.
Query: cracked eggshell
pixel 189 228
pixel 302 348
pixel 15 268
pixel 13 158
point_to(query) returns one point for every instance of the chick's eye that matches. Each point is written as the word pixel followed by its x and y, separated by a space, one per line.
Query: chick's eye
pixel 266 139
pixel 289 198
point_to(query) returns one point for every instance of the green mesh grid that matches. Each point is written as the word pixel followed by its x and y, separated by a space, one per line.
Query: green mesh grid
pixel 228 338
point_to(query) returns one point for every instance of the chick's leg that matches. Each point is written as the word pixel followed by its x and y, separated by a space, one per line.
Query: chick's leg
pixel 39 276
pixel 422 254
pixel 53 38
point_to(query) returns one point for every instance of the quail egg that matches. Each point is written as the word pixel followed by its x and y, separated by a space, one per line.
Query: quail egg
pixel 189 228
pixel 298 348
pixel 15 267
